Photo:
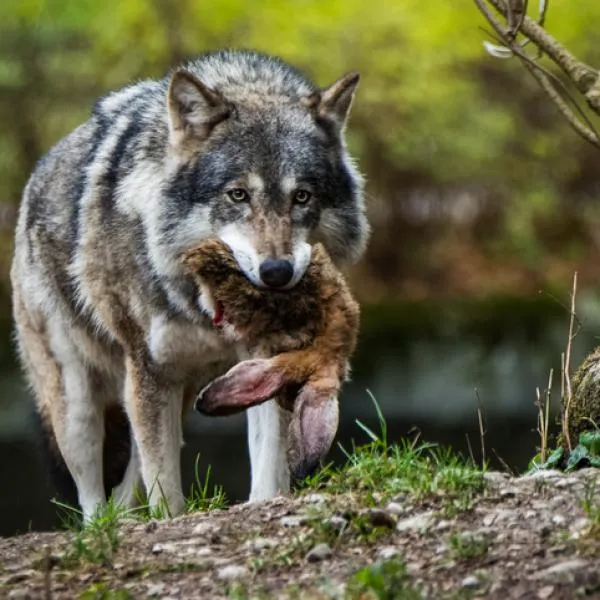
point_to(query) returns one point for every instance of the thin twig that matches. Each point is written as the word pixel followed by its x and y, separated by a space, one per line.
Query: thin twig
pixel 482 430
pixel 470 449
pixel 547 406
pixel 563 400
pixel 588 132
pixel 568 363
pixel 540 427
pixel 542 76
pixel 544 417
pixel 503 462
pixel 583 76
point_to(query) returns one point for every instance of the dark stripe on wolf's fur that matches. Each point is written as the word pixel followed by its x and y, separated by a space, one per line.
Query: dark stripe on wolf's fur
pixel 155 293
pixel 121 161
pixel 199 183
pixel 33 207
pixel 116 452
pixel 76 196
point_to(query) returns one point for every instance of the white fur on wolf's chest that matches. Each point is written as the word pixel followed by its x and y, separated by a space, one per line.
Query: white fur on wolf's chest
pixel 180 343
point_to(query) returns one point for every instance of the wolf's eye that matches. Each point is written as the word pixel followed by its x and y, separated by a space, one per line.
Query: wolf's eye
pixel 239 195
pixel 301 196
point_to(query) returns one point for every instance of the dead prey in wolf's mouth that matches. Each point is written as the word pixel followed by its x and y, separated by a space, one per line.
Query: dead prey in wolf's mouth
pixel 298 342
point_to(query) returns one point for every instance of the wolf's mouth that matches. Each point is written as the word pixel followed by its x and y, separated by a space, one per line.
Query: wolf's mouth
pixel 219 315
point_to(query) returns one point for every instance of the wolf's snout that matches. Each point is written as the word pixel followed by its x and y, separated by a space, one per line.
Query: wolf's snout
pixel 276 272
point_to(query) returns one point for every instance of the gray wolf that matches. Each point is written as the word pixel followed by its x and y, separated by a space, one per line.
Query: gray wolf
pixel 236 145
pixel 299 343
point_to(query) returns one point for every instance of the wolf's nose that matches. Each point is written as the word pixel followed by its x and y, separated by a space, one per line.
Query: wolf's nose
pixel 275 272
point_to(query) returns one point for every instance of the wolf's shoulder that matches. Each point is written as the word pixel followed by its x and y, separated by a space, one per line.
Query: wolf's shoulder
pixel 134 99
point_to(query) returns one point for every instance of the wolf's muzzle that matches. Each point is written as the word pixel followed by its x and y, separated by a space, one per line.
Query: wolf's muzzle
pixel 275 272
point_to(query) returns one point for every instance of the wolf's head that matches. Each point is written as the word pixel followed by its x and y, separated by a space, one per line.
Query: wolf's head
pixel 257 157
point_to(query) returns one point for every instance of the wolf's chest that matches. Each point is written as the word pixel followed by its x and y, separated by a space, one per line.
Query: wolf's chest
pixel 185 347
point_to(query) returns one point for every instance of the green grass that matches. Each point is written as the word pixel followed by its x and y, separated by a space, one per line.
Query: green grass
pixel 465 546
pixel 382 581
pixel 201 498
pixel 380 471
pixel 591 507
pixel 100 591
pixel 373 474
pixel 97 541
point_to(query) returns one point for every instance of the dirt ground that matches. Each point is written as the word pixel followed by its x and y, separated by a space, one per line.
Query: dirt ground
pixel 526 537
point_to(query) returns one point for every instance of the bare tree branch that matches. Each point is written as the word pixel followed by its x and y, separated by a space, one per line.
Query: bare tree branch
pixel 585 78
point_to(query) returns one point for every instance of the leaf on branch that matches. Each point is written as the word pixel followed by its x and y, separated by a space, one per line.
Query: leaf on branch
pixel 498 51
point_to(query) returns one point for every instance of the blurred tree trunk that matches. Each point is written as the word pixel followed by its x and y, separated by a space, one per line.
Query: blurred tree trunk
pixel 170 15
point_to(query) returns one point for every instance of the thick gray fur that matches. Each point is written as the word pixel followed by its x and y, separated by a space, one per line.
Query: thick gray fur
pixel 105 312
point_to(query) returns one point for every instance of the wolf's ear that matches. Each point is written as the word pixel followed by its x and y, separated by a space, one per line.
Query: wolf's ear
pixel 332 104
pixel 194 109
pixel 249 383
pixel 312 429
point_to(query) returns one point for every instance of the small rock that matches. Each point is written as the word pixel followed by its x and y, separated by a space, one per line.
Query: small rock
pixel 315 499
pixel 261 543
pixel 232 572
pixel 387 552
pixel 20 576
pixel 155 589
pixel 545 592
pixel 508 492
pixel 470 582
pixel 495 476
pixel 416 523
pixel 443 524
pixel 559 520
pixel 20 594
pixel 395 509
pixel 542 474
pixel 414 568
pixel 441 549
pixel 292 521
pixel 400 498
pixel 562 567
pixel 337 523
pixel 579 527
pixel 318 553
pixel 160 548
pixel 498 515
pixel 566 482
pixel 204 528
pixel 381 518
pixel 203 552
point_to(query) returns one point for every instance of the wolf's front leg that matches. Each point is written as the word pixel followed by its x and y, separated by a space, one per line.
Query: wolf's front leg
pixel 154 409
pixel 267 441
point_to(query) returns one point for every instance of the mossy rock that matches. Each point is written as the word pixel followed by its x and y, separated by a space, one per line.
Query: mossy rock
pixel 584 413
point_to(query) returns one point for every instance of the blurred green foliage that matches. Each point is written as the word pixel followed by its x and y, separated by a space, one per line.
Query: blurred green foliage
pixel 475 184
